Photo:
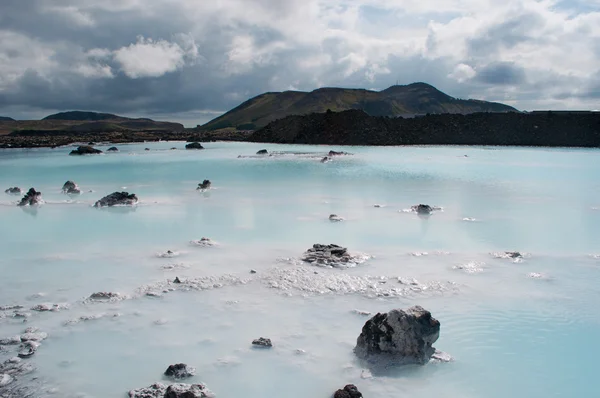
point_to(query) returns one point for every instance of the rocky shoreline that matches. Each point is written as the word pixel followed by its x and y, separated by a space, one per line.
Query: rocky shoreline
pixel 53 139
pixel 355 127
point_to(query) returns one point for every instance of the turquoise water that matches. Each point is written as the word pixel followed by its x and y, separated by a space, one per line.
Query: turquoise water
pixel 510 334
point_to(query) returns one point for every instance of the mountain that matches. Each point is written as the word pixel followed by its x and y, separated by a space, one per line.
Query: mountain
pixel 356 127
pixel 77 122
pixel 6 119
pixel 408 100
pixel 80 115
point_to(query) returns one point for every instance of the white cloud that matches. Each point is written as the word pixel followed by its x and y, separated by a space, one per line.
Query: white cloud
pixel 94 70
pixel 73 14
pixel 149 58
pixel 462 73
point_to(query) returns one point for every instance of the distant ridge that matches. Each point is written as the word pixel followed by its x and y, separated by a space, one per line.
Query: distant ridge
pixel 412 99
pixel 80 122
pixel 6 119
pixel 81 115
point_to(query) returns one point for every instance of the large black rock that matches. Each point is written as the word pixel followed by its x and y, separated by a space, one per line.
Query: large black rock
pixel 194 145
pixel 85 150
pixel 117 198
pixel 32 197
pixel 399 337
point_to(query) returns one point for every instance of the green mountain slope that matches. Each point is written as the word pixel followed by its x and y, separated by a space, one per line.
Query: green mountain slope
pixel 416 98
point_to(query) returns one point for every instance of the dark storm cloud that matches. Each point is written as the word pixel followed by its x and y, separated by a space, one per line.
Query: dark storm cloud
pixel 501 74
pixel 187 57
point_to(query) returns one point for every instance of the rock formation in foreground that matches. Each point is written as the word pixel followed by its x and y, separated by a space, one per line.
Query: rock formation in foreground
pixel 32 197
pixel 399 337
pixel 85 150
pixel 117 199
pixel 71 188
pixel 194 145
pixel 178 390
pixel 349 391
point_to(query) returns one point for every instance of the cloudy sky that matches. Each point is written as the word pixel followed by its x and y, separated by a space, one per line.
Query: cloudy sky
pixel 190 60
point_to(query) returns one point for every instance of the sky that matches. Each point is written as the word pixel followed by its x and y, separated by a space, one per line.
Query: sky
pixel 192 60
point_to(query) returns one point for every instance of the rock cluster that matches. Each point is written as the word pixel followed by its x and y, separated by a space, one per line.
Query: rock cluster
pixel 32 197
pixel 13 191
pixel 399 337
pixel 194 145
pixel 117 199
pixel 85 150
pixel 179 390
pixel 328 255
pixel 71 188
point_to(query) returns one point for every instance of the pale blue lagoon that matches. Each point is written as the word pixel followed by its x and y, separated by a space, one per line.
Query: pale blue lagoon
pixel 514 329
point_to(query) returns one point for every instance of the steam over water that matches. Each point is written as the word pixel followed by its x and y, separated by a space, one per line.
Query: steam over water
pixel 516 326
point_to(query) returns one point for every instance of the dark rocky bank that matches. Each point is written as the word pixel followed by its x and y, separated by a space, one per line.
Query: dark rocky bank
pixel 355 127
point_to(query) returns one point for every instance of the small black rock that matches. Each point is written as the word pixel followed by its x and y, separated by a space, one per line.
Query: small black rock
pixel 262 342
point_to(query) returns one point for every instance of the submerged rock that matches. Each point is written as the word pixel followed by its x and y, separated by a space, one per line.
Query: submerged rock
pixel 325 160
pixel 71 187
pixel 112 149
pixel 105 296
pixel 49 307
pixel 180 371
pixel 422 209
pixel 349 391
pixel 146 149
pixel 159 390
pixel 262 152
pixel 262 342
pixel 335 218
pixel 204 242
pixel 117 199
pixel 32 197
pixel 28 349
pixel 206 184
pixel 13 191
pixel 194 145
pixel 334 153
pixel 399 337
pixel 85 150
pixel 168 254
pixel 514 254
pixel 331 256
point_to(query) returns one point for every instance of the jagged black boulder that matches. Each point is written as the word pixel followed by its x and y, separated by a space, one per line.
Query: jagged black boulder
pixel 180 371
pixel 32 197
pixel 116 199
pixel 399 337
pixel 349 391
pixel 71 187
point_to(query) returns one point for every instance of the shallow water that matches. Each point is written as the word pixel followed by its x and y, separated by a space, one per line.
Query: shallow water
pixel 510 334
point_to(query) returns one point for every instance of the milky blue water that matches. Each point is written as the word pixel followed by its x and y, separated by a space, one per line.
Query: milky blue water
pixel 510 334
